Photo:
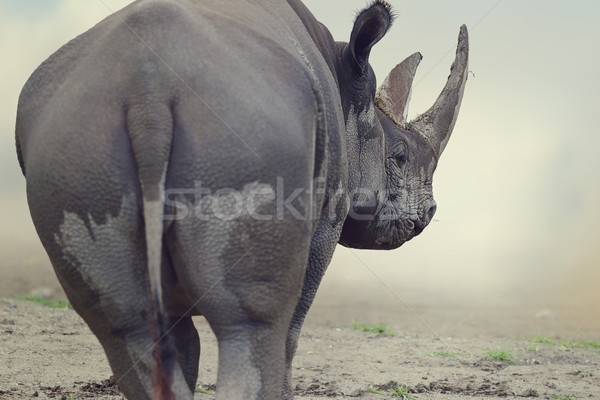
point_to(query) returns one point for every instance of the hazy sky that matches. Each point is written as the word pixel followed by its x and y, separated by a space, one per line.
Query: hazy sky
pixel 517 187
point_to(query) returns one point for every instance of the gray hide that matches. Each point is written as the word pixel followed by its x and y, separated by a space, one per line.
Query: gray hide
pixel 205 157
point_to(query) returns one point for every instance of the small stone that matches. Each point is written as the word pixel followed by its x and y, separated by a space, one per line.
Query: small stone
pixel 530 393
pixel 356 393
pixel 551 385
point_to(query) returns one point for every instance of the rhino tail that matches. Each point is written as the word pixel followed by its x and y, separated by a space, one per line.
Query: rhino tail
pixel 150 129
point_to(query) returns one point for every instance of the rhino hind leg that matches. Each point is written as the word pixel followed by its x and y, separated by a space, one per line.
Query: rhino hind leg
pixel 123 322
pixel 96 257
pixel 130 353
pixel 187 343
pixel 247 290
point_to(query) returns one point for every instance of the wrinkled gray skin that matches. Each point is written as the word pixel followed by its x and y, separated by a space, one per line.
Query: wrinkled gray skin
pixel 253 96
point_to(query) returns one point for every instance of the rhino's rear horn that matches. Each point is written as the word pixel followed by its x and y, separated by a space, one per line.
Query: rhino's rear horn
pixel 437 123
pixel 393 95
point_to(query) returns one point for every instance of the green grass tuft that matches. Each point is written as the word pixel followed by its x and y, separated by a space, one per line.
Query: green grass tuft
pixel 499 355
pixel 542 340
pixel 204 392
pixel 566 345
pixel 401 392
pixel 374 391
pixel 591 345
pixel 379 329
pixel 45 302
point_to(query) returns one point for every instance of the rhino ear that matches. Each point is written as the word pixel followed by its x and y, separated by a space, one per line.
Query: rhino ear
pixel 370 26
pixel 393 95
pixel 437 123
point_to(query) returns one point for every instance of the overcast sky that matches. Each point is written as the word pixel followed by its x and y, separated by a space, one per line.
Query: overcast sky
pixel 517 187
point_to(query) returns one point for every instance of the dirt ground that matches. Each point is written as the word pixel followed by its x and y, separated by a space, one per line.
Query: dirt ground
pixel 439 349
pixel 49 353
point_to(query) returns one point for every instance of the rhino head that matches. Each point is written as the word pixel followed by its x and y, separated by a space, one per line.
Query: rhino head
pixel 391 161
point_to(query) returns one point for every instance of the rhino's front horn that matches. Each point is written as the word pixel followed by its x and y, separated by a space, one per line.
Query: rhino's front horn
pixel 437 123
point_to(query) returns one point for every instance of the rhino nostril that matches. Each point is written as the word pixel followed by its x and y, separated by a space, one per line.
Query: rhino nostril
pixel 430 212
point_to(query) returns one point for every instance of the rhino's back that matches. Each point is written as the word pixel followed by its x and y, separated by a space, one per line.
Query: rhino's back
pixel 239 89
pixel 241 66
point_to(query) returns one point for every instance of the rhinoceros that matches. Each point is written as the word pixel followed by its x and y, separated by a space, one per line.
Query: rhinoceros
pixel 202 157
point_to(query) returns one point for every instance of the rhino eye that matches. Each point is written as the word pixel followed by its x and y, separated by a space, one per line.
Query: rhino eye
pixel 400 159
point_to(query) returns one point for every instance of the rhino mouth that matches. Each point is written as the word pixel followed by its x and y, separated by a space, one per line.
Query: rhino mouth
pixel 399 232
pixel 378 233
